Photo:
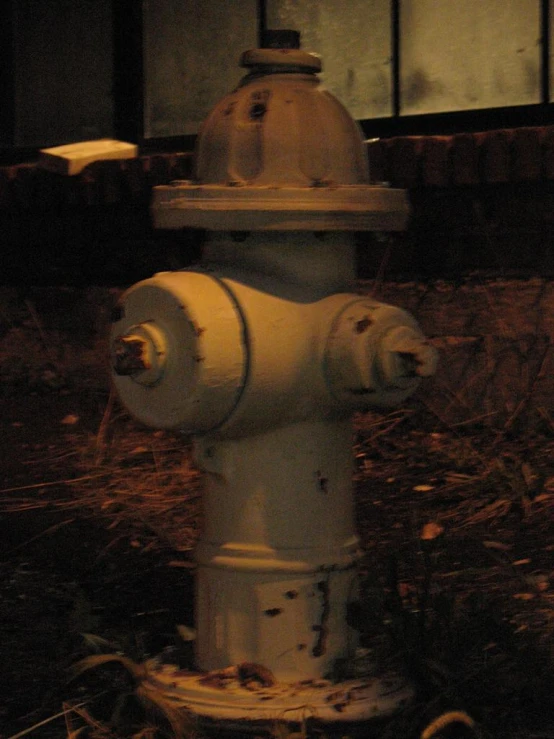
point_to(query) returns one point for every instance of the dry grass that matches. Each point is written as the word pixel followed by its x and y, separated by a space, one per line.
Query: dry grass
pixel 129 478
pixel 457 524
pixel 469 583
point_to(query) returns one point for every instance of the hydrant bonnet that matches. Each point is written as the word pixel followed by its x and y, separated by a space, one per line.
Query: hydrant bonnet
pixel 280 153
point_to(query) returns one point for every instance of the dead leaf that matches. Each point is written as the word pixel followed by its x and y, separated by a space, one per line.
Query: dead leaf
pixel 185 632
pixel 431 531
pixel 524 596
pixel 539 582
pixel 70 420
pixel 97 643
pixel 405 589
pixel 452 477
pixel 423 488
pixel 182 563
pixel 497 545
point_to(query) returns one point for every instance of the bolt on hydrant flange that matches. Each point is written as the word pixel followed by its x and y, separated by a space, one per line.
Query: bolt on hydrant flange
pixel 262 353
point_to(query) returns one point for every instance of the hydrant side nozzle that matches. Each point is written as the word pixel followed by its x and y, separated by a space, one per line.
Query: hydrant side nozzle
pixel 193 357
pixel 376 355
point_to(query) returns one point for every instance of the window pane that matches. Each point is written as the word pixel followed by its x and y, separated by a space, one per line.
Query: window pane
pixel 63 71
pixel 467 55
pixel 354 40
pixel 551 49
pixel 191 55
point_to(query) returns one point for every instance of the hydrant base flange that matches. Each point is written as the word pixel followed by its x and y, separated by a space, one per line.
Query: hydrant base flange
pixel 225 696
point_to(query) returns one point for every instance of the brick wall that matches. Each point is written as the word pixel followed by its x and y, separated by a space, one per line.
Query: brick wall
pixel 91 228
pixel 494 338
pixel 481 201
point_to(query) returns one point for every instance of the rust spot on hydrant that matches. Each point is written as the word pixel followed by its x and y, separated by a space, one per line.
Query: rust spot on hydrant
pixel 273 611
pixel 257 111
pixel 249 675
pixel 361 390
pixel 322 628
pixel 362 325
pixel 323 482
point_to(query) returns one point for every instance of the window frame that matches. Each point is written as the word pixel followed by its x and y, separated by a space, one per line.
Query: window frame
pixel 128 86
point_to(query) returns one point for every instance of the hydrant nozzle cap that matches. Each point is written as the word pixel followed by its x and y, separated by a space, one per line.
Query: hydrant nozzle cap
pixel 140 353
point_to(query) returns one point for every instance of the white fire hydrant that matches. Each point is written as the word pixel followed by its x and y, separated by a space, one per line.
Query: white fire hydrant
pixel 262 354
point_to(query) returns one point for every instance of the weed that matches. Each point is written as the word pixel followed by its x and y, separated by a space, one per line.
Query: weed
pixel 159 717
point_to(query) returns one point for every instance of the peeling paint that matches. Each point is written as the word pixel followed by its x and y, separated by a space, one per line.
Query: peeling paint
pixel 322 482
pixel 272 612
pixel 323 628
pixel 362 325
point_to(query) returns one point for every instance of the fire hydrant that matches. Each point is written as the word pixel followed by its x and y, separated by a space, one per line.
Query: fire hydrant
pixel 262 354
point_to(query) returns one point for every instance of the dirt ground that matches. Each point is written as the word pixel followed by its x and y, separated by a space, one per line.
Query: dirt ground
pixel 70 571
pixel 98 518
